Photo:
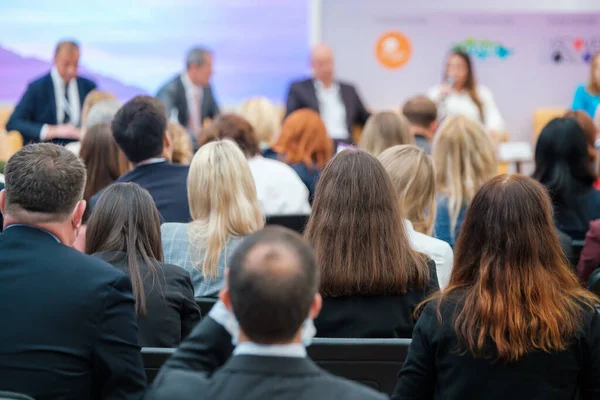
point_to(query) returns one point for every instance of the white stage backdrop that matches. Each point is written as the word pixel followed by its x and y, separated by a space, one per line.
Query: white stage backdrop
pixel 527 59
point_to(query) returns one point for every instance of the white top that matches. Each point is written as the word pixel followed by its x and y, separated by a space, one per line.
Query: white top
pixel 436 249
pixel 279 188
pixel 294 350
pixel 332 110
pixel 73 107
pixel 193 96
pixel 460 103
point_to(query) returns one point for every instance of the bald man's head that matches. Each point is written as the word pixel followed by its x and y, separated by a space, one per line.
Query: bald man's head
pixel 322 63
pixel 272 282
pixel 66 59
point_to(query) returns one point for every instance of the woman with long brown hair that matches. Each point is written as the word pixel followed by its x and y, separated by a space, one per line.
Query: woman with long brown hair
pixel 587 96
pixel 384 130
pixel 371 278
pixel 124 230
pixel 303 145
pixel 514 322
pixel 459 94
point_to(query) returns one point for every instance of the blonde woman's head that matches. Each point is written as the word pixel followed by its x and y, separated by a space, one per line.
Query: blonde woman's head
pixel 465 158
pixel 181 143
pixel 264 116
pixel 384 130
pixel 413 177
pixel 223 202
pixel 94 97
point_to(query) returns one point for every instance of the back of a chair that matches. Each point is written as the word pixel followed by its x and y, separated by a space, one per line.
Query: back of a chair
pixel 14 396
pixel 577 246
pixel 594 282
pixel 372 362
pixel 10 143
pixel 205 304
pixel 294 222
pixel 541 117
pixel 153 359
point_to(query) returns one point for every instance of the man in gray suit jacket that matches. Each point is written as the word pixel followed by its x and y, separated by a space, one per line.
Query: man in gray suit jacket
pixel 272 288
pixel 188 97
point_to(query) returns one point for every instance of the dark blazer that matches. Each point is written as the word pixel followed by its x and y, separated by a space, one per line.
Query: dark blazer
pixel 435 370
pixel 373 316
pixel 167 184
pixel 589 260
pixel 38 107
pixel 200 367
pixel 302 94
pixel 68 322
pixel 172 94
pixel 171 310
pixel 309 176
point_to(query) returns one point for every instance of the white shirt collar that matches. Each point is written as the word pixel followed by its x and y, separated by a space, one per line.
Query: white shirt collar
pixel 409 226
pixel 149 161
pixel 321 87
pixel 293 350
pixel 56 76
pixel 188 84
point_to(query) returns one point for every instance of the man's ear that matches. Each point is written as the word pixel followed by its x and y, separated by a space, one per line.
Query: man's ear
pixel 2 200
pixel 167 147
pixel 224 293
pixel 78 214
pixel 315 307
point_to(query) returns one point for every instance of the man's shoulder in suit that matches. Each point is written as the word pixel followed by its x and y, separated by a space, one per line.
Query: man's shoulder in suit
pixel 348 389
pixel 302 82
pixel 40 81
pixel 86 83
pixel 170 85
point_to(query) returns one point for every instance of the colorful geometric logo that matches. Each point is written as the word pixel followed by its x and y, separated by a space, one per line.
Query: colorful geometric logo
pixel 574 49
pixel 483 49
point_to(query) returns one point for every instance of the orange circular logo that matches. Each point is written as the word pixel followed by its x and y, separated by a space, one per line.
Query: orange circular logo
pixel 393 50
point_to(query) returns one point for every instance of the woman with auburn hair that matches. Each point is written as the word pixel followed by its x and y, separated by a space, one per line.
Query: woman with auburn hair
pixel 384 130
pixel 464 158
pixel 124 231
pixel 412 174
pixel 459 94
pixel 587 96
pixel 224 209
pixel 303 145
pixel 371 278
pixel 563 166
pixel 265 118
pixel 514 322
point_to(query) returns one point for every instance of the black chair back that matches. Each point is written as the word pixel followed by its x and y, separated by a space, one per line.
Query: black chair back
pixel 372 362
pixel 205 304
pixel 577 246
pixel 594 281
pixel 294 222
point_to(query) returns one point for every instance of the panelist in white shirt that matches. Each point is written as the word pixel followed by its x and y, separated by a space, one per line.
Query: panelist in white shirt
pixel 338 103
pixel 459 94
pixel 50 109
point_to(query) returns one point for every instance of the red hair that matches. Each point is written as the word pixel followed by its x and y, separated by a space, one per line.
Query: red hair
pixel 304 139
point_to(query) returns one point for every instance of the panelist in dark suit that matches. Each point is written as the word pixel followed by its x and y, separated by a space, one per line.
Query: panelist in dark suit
pixel 69 329
pixel 273 286
pixel 140 130
pixel 50 109
pixel 338 103
pixel 188 97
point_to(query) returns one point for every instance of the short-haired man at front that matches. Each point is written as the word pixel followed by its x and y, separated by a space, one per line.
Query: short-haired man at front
pixel 338 102
pixel 188 97
pixel 69 328
pixel 272 289
pixel 50 109
pixel 140 130
pixel 421 112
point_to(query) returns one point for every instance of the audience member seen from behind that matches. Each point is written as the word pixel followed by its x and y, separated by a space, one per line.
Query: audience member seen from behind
pixel 50 108
pixel 265 118
pixel 591 135
pixel 371 278
pixel 384 130
pixel 182 149
pixel 124 231
pixel 304 145
pixel 94 97
pixel 464 158
pixel 102 111
pixel 70 331
pixel 224 207
pixel 587 96
pixel 413 178
pixel 280 190
pixel 140 130
pixel 421 113
pixel 562 164
pixel 459 94
pixel 513 308
pixel 589 260
pixel 271 298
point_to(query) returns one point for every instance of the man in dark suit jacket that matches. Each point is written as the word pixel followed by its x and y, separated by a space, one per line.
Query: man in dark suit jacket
pixel 272 287
pixel 69 328
pixel 50 109
pixel 338 103
pixel 189 97
pixel 140 130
